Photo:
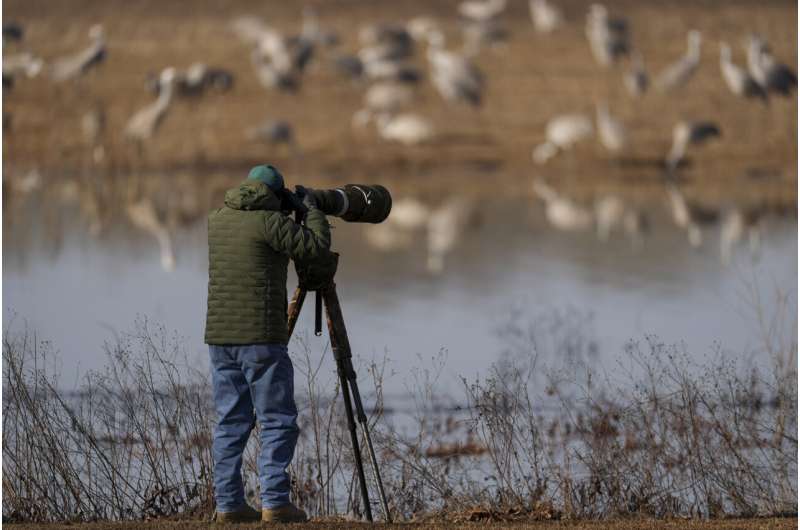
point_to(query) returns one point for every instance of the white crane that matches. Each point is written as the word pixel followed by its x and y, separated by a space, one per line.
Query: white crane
pixel 636 79
pixel 545 16
pixel 454 76
pixel 738 80
pixel 561 212
pixel 771 75
pixel 144 123
pixel 678 73
pixel 608 36
pixel 143 216
pixel 562 133
pixel 383 97
pixel 407 128
pixel 273 74
pixel 481 10
pixel 446 225
pixel 685 134
pixel 611 132
pixel 75 65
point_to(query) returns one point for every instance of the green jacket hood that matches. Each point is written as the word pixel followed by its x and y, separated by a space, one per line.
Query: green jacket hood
pixel 252 195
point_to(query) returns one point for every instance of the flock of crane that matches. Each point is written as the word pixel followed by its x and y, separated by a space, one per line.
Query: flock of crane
pixel 384 66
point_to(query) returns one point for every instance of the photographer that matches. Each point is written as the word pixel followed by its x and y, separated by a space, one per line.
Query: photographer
pixel 250 241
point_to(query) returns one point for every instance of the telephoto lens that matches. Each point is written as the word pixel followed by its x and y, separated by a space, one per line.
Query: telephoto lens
pixel 356 203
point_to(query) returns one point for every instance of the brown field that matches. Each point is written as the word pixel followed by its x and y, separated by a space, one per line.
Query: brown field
pixel 731 524
pixel 531 79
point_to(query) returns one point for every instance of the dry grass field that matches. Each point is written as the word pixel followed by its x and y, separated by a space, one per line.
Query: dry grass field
pixel 530 79
pixel 732 524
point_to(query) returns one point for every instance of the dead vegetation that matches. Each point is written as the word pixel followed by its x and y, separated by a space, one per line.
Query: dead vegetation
pixel 541 436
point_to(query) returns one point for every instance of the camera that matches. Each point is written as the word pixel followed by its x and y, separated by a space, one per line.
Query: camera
pixel 354 203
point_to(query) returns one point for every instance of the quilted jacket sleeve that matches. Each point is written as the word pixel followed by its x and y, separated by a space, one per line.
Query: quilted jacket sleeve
pixel 300 243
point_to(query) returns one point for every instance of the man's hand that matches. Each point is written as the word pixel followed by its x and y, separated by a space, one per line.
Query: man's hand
pixel 308 197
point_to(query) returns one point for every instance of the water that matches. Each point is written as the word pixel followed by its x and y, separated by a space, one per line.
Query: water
pixel 78 291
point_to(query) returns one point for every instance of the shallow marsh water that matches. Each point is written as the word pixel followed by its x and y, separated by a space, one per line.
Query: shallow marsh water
pixel 78 292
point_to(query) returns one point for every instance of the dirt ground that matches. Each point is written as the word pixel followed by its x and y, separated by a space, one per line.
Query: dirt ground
pixel 530 79
pixel 732 524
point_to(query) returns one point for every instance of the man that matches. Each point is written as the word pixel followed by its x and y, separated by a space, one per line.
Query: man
pixel 250 241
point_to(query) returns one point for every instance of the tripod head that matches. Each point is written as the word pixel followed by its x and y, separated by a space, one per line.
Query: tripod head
pixel 315 276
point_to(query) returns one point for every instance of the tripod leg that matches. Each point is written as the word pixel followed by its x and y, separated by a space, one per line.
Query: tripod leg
pixel 295 306
pixel 351 425
pixel 362 419
pixel 341 348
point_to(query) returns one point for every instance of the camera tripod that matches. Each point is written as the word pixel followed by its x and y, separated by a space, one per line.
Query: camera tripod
pixel 347 378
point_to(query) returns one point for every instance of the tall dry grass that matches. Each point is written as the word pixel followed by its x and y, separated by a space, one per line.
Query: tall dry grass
pixel 548 431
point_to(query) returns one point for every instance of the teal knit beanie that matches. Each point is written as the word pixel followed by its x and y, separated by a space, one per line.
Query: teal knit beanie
pixel 269 175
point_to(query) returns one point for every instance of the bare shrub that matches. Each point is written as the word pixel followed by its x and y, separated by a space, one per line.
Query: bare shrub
pixel 546 432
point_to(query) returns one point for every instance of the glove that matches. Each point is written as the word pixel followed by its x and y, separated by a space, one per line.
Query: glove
pixel 308 198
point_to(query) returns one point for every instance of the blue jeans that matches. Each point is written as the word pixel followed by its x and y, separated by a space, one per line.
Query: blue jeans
pixel 248 378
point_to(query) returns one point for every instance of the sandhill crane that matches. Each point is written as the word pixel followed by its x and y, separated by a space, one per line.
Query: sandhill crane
pixel 636 79
pixel 561 134
pixel 384 42
pixel 382 98
pixel 687 133
pixel 678 73
pixel 766 70
pixel 737 78
pixel 481 10
pixel 144 123
pixel 349 65
pixel 454 76
pixel 143 216
pixel 200 77
pixel 611 132
pixel 392 71
pixel 78 64
pixel 546 17
pixel 608 37
pixel 561 212
pixel 271 75
pixel 276 60
pixel 195 81
pixel 407 129
pixel 385 33
pixel 274 132
pixel 735 223
pixel 446 225
pixel 398 231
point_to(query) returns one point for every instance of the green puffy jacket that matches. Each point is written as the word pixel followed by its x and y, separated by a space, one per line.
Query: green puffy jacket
pixel 250 242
